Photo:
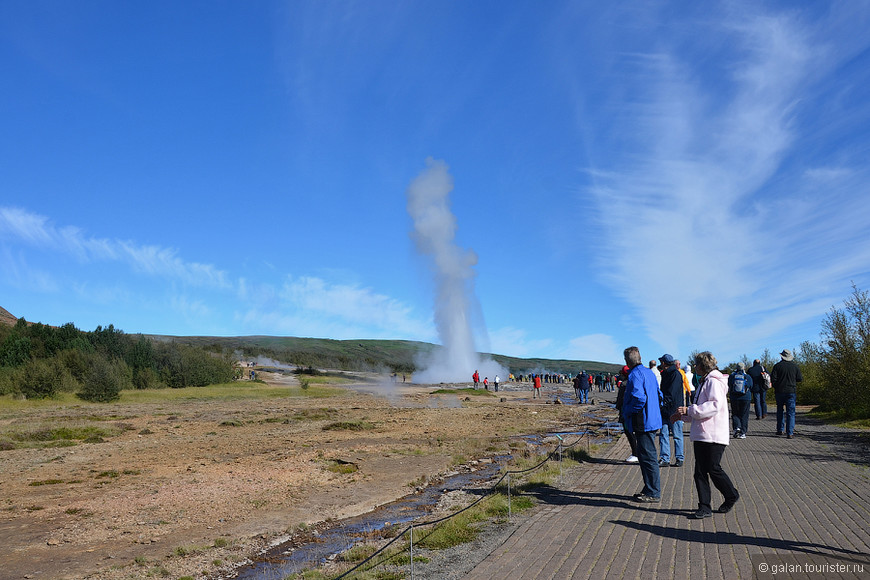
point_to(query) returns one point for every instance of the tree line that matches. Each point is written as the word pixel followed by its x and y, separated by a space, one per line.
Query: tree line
pixel 38 361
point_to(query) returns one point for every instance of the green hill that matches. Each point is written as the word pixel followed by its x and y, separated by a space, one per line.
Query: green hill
pixel 363 354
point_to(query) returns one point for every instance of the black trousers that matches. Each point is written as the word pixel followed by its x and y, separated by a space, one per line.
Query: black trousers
pixel 708 458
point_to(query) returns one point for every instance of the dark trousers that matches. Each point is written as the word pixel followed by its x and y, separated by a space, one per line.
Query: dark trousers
pixel 740 414
pixel 708 458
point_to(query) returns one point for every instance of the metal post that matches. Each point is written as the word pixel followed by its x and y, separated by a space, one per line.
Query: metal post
pixel 509 495
pixel 412 551
pixel 560 459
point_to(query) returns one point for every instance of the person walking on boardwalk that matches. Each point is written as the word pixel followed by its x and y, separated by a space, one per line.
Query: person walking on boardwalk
pixel 620 398
pixel 739 389
pixel 642 409
pixel 759 389
pixel 785 377
pixel 709 435
pixel 672 397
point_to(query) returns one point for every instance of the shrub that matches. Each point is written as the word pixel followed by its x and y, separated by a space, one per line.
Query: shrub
pixel 103 383
pixel 41 378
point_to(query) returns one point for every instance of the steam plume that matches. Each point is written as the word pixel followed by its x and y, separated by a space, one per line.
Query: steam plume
pixel 434 233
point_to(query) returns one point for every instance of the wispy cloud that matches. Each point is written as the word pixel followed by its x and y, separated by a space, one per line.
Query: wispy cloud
pixel 515 342
pixel 721 243
pixel 23 227
pixel 596 347
pixel 311 306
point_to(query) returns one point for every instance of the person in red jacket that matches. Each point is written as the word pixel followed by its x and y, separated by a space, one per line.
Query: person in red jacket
pixel 536 391
pixel 476 378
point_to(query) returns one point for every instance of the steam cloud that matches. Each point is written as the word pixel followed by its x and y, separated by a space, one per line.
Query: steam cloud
pixel 434 233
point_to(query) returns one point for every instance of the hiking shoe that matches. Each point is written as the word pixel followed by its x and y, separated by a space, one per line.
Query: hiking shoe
pixel 664 463
pixel 742 435
pixel 728 504
pixel 700 515
pixel 644 498
pixel 631 459
pixel 679 463
pixel 789 436
pixel 736 434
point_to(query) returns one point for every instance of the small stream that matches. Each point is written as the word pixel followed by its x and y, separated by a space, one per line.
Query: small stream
pixel 285 559
pixel 290 558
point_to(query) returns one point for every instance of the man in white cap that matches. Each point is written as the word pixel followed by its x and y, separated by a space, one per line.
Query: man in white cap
pixel 785 377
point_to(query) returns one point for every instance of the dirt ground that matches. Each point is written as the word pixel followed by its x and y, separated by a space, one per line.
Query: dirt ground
pixel 195 488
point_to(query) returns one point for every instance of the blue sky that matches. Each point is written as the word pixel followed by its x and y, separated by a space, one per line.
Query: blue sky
pixel 675 176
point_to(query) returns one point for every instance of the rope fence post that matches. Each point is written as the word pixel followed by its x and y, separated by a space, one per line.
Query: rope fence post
pixel 560 458
pixel 509 494
pixel 412 551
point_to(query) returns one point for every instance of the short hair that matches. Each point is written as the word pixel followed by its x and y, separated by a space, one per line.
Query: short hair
pixel 705 362
pixel 652 364
pixel 756 361
pixel 632 356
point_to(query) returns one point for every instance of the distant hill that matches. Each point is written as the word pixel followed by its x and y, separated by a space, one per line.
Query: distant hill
pixel 365 354
pixel 6 317
pixel 377 355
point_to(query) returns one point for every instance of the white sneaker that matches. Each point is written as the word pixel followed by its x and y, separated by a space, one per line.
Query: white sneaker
pixel 631 459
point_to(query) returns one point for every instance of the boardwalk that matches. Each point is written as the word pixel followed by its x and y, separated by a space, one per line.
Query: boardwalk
pixel 802 505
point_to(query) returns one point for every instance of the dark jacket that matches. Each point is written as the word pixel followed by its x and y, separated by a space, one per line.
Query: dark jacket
pixel 672 392
pixel 746 395
pixel 785 377
pixel 755 372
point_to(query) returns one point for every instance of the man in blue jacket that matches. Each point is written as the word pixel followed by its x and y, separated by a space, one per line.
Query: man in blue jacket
pixel 643 415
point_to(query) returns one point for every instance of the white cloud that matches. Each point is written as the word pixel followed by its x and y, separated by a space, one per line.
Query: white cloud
pixel 20 226
pixel 515 342
pixel 311 306
pixel 716 244
pixel 594 347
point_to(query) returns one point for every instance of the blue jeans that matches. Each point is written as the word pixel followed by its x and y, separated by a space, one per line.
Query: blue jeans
pixel 760 400
pixel 584 396
pixel 785 403
pixel 665 442
pixel 649 465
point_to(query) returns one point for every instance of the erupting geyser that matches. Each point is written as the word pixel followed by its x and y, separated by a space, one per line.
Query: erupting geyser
pixel 434 232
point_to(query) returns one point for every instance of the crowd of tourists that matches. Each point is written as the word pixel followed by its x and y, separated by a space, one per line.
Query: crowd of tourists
pixel 655 400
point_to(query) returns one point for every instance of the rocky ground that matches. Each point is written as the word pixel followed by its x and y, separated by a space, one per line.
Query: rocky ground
pixel 195 487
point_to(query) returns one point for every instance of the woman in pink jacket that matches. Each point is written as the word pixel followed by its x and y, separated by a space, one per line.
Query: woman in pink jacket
pixel 709 434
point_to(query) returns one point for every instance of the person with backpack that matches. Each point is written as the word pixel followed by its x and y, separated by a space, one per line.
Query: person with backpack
pixel 760 384
pixel 740 393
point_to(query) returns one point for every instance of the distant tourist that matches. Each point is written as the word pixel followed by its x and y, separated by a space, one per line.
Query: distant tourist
pixel 653 366
pixel 620 398
pixel 759 388
pixel 476 378
pixel 536 386
pixel 785 377
pixel 709 435
pixel 495 383
pixel 739 390
pixel 672 397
